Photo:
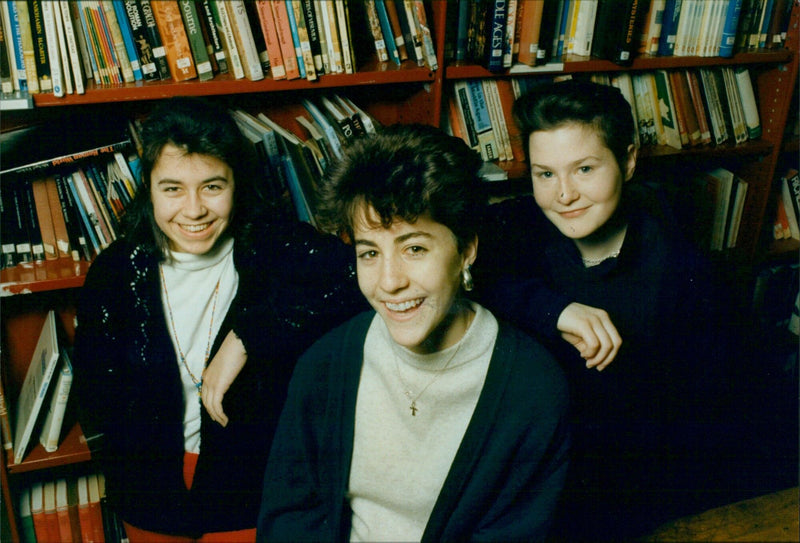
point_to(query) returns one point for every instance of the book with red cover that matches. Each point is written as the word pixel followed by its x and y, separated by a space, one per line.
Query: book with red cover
pixel 267 22
pixel 45 217
pixel 284 32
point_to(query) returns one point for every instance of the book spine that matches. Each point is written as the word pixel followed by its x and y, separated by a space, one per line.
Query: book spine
pixel 386 30
pixel 194 33
pixel 78 241
pixel 245 43
pixel 173 35
pixel 225 26
pixel 427 37
pixel 396 30
pixel 127 39
pixel 749 105
pixel 45 219
pixel 217 48
pixel 20 78
pixel 114 33
pixel 312 27
pixel 343 23
pixel 27 47
pixel 147 60
pixel 304 40
pixel 414 32
pixel 157 48
pixel 496 24
pixel 375 29
pixel 5 426
pixel 41 53
pixel 267 22
pixel 284 35
pixel 32 223
pixel 53 422
pixel 53 48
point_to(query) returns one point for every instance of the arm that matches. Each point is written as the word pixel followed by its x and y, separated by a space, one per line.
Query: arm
pixel 220 373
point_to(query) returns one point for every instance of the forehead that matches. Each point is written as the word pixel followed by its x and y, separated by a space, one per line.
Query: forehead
pixel 367 226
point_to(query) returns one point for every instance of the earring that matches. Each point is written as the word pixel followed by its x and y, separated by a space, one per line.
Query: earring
pixel 466 279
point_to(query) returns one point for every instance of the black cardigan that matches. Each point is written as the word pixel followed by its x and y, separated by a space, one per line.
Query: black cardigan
pixel 294 284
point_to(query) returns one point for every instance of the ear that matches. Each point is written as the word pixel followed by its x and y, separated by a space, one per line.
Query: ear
pixel 630 161
pixel 470 252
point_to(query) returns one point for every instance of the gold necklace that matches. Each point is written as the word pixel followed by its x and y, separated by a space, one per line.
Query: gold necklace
pixel 198 383
pixel 407 390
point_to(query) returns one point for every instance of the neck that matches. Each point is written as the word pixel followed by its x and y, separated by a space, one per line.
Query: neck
pixel 451 330
pixel 604 242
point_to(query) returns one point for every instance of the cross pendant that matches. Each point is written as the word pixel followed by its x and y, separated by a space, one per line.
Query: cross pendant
pixel 413 409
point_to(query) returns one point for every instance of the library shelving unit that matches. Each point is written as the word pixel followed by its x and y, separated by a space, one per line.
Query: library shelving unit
pixel 392 94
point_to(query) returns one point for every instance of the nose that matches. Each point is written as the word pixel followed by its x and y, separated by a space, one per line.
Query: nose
pixel 194 206
pixel 393 276
pixel 566 191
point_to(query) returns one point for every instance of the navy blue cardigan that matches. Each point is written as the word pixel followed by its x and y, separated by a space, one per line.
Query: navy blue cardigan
pixel 128 384
pixel 504 481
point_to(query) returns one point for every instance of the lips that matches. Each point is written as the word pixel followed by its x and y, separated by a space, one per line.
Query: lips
pixel 195 228
pixel 573 213
pixel 399 307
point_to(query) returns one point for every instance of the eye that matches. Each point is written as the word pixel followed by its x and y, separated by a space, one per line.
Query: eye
pixel 543 174
pixel 416 250
pixel 213 187
pixel 585 169
pixel 367 255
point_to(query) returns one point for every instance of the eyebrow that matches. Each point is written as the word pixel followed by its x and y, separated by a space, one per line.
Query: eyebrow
pixel 573 163
pixel 401 239
pixel 214 179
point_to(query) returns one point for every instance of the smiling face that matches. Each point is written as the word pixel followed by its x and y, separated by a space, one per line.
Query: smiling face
pixel 192 199
pixel 576 179
pixel 411 275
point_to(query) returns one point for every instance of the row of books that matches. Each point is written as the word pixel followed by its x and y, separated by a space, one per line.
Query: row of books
pixel 41 405
pixel 67 211
pixel 293 162
pixel 501 33
pixel 787 211
pixel 679 108
pixel 68 509
pixel 57 45
pixel 727 194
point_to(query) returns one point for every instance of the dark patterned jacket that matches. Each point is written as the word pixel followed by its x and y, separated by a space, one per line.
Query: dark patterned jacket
pixel 294 284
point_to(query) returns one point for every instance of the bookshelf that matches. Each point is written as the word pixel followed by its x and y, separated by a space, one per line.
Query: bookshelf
pixel 405 93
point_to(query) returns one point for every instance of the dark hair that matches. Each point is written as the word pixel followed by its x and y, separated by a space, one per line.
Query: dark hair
pixel 552 105
pixel 198 127
pixel 403 172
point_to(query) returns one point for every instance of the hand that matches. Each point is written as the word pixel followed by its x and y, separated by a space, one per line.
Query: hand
pixel 591 332
pixel 220 373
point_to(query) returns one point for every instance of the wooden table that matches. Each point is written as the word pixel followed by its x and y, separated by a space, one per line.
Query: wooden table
pixel 772 517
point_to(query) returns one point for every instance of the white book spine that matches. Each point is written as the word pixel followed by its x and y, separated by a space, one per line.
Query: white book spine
pixel 51 430
pixel 53 49
pixel 72 47
pixel 230 41
pixel 237 14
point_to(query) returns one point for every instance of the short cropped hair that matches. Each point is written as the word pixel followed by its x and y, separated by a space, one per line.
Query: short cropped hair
pixel 200 127
pixel 552 105
pixel 404 172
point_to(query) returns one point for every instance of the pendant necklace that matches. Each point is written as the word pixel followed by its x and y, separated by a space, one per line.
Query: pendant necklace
pixel 407 390
pixel 198 383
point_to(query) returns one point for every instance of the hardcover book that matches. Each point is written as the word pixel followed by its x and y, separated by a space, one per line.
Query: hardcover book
pixel 34 388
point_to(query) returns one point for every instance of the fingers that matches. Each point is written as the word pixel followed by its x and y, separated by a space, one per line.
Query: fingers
pixel 212 401
pixel 591 331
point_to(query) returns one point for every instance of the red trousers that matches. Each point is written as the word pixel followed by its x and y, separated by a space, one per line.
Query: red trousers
pixel 137 535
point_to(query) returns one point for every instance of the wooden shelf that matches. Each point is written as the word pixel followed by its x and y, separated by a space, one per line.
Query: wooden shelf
pixel 40 277
pixel 72 450
pixel 374 73
pixel 575 64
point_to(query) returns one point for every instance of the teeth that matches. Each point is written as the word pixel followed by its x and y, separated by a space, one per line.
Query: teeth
pixel 194 227
pixel 404 306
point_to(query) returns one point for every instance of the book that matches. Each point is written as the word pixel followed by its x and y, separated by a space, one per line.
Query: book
pixel 331 134
pixel 78 236
pixel 245 42
pixel 304 40
pixel 428 49
pixel 284 33
pixel 62 511
pixel 710 93
pixel 16 58
pixel 686 110
pixel 108 16
pixel 314 39
pixel 26 527
pixel 339 118
pixel 529 31
pixel 173 35
pixel 16 229
pixel 411 31
pixel 222 17
pixel 31 148
pixel 42 55
pixel 6 76
pixel 388 34
pixel 37 380
pixel 737 209
pixel 790 195
pixel 374 25
pixel 781 228
pixel 496 28
pixel 94 508
pixel 85 514
pixel 5 426
pixel 41 533
pixel 72 69
pixel 617 24
pixel 748 100
pixel 720 183
pixel 54 419
pixel 144 48
pixel 267 23
pixel 487 140
pixel 153 37
pixel 27 46
pixel 45 218
pixel 651 33
pixel 194 33
pixel 53 48
pixel 584 28
pixel 50 514
pixel 669 27
pixel 72 508
pixel 258 37
pixel 395 29
pixel 89 221
pixel 733 104
pixel 345 39
pixel 127 38
pixel 511 42
pixel 215 45
pixel 666 109
pixel 698 103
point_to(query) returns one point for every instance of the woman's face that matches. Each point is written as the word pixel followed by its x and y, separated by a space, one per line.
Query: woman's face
pixel 411 275
pixel 192 199
pixel 577 181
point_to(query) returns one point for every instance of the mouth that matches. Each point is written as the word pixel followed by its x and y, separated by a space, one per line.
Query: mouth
pixel 195 228
pixel 402 307
pixel 573 213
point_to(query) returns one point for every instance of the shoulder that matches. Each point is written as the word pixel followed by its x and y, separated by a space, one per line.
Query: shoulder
pixel 332 351
pixel 532 369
